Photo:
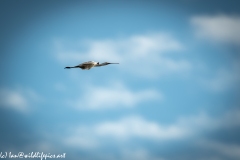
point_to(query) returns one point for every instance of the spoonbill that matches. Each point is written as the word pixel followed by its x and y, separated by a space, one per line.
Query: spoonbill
pixel 88 65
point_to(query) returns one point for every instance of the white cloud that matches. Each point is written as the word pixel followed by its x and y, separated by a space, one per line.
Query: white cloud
pixel 112 96
pixel 132 127
pixel 19 99
pixel 13 99
pixel 142 55
pixel 89 137
pixel 138 127
pixel 221 28
pixel 128 128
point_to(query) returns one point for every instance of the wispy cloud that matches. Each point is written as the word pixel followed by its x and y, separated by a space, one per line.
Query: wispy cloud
pixel 19 99
pixel 115 95
pixel 137 127
pixel 123 129
pixel 224 79
pixel 231 151
pixel 143 55
pixel 132 127
pixel 140 154
pixel 221 28
pixel 13 99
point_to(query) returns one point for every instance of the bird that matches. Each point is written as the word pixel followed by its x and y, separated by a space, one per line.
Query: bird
pixel 90 64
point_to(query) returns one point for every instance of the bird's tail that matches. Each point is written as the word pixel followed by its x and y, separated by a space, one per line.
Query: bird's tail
pixel 69 67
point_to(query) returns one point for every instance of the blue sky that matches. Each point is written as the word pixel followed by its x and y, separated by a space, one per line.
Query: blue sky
pixel 174 95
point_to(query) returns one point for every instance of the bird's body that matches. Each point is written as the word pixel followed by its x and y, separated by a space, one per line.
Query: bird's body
pixel 88 65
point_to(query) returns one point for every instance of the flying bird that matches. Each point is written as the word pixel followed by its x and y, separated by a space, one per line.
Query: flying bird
pixel 88 65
